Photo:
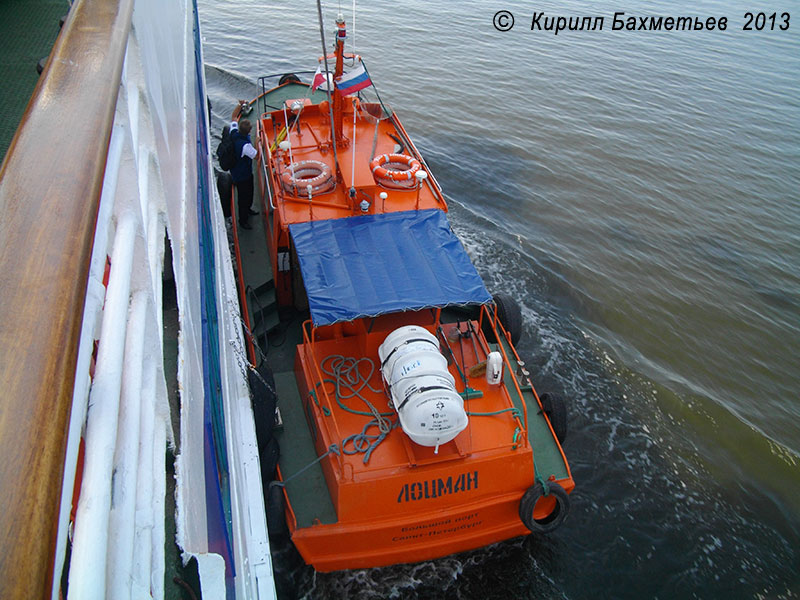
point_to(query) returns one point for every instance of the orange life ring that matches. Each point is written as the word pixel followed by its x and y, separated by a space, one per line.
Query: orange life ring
pixel 298 176
pixel 380 163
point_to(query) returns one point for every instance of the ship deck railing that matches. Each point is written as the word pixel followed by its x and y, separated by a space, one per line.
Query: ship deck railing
pixel 111 158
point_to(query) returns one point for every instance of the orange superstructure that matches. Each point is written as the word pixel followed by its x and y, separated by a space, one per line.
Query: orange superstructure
pixel 326 157
pixel 309 139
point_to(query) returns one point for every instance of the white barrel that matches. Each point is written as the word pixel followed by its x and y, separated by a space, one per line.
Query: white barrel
pixel 422 389
pixel 417 363
pixel 405 340
pixel 434 417
pixel 402 335
pixel 410 347
pixel 406 387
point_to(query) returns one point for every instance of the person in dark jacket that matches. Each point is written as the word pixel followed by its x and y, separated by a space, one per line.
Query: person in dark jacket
pixel 242 172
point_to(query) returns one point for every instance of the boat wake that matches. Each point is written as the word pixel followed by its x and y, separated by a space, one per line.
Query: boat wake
pixel 484 573
pixel 224 88
pixel 642 454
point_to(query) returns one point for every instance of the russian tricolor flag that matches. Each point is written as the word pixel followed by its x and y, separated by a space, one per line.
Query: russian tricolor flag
pixel 354 80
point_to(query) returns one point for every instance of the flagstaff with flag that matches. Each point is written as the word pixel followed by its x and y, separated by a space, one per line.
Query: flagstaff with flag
pixel 340 83
pixel 351 81
pixel 320 77
pixel 354 80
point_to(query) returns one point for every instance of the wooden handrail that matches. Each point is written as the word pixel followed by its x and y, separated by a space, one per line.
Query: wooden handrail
pixel 50 184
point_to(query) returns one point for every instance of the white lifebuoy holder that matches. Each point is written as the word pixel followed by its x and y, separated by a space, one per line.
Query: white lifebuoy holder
pixel 299 175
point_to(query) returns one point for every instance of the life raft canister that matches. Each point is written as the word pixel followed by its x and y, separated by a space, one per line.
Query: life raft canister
pixel 396 167
pixel 299 175
pixel 423 391
pixel 554 505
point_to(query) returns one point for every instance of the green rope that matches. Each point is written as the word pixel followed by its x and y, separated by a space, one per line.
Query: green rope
pixel 333 449
pixel 349 381
pixel 325 411
pixel 543 481
pixel 364 442
pixel 515 413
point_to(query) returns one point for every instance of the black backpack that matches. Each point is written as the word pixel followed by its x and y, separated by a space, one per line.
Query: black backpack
pixel 226 151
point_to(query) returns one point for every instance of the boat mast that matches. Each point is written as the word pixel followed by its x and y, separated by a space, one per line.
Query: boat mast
pixel 338 99
pixel 336 135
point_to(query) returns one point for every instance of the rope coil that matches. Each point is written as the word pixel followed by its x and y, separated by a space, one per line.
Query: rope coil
pixel 349 380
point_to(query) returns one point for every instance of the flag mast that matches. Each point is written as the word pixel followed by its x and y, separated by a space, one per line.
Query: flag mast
pixel 338 99
pixel 335 131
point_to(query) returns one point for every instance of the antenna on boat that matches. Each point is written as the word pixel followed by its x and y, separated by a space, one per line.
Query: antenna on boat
pixel 334 133
pixel 353 168
pixel 338 99
pixel 354 27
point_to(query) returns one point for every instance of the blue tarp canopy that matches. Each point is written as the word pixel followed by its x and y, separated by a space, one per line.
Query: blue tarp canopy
pixel 372 265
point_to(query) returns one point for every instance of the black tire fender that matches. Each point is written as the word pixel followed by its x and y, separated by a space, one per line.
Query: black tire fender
pixel 556 516
pixel 555 408
pixel 276 510
pixel 225 189
pixel 288 77
pixel 509 314
pixel 263 400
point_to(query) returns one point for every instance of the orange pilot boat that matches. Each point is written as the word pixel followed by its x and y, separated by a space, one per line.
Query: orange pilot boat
pixel 407 425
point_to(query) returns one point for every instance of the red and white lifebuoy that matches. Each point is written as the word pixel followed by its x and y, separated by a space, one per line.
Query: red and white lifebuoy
pixel 395 167
pixel 298 176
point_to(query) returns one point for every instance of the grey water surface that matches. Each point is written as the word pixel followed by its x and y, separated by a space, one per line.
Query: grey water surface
pixel 639 193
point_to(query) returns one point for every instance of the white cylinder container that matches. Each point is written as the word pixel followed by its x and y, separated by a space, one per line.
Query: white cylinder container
pixel 494 368
pixel 422 389
pixel 416 363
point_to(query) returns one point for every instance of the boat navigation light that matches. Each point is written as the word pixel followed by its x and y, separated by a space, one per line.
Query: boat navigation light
pixel 383 196
pixel 296 107
pixel 364 205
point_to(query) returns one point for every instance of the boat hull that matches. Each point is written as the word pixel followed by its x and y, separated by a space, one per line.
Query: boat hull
pixel 408 502
pixel 428 535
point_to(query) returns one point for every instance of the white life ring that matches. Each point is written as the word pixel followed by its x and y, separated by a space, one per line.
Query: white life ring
pixel 298 176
